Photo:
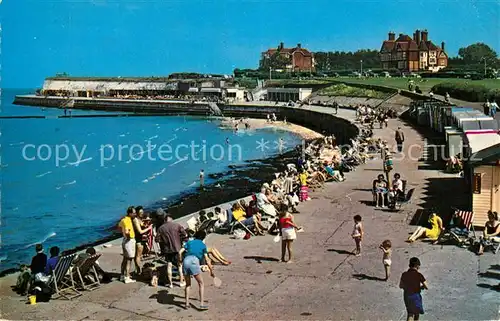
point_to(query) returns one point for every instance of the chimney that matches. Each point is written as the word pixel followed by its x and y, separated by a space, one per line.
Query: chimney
pixel 299 45
pixel 417 37
pixel 442 45
pixel 424 35
pixel 391 36
pixel 281 46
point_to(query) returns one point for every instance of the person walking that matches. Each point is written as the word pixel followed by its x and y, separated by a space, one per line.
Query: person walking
pixel 288 234
pixel 487 107
pixel 400 138
pixel 171 235
pixel 412 282
pixel 195 252
pixel 128 244
pixel 202 177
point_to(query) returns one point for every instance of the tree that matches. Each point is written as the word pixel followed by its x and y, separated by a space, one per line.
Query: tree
pixel 276 61
pixel 475 53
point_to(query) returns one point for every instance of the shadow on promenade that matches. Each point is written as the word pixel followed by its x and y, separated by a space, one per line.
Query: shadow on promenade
pixel 441 195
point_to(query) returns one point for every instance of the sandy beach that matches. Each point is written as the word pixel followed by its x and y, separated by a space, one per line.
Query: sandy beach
pixel 303 132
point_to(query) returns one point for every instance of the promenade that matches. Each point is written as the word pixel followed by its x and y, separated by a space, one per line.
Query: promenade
pixel 324 282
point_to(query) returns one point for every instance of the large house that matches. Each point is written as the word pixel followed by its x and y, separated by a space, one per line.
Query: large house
pixel 417 54
pixel 295 59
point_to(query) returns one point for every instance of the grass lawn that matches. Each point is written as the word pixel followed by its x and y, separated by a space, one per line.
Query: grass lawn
pixel 425 84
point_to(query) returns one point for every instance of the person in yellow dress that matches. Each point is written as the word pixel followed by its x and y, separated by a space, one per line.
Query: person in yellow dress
pixel 432 233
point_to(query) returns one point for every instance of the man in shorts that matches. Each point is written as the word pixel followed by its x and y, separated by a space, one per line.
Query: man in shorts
pixel 413 282
pixel 128 244
pixel 171 235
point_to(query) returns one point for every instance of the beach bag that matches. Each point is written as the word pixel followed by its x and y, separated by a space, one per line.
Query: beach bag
pixel 239 234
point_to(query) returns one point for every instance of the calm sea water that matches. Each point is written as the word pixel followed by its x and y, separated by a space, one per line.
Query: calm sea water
pixel 73 199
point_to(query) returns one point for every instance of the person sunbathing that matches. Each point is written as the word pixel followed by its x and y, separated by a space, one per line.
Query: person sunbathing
pixel 239 215
pixel 264 204
pixel 215 255
pixel 432 233
pixel 491 231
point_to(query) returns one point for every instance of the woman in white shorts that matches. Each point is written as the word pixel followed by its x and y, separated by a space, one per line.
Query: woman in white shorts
pixel 288 234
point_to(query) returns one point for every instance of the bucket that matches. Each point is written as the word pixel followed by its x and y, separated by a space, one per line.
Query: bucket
pixel 32 299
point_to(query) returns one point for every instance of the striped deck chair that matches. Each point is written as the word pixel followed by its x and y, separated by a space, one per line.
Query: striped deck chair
pixel 85 268
pixel 460 234
pixel 62 284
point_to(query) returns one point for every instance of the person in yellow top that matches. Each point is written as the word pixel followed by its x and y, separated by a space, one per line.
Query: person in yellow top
pixel 239 215
pixel 128 244
pixel 432 233
pixel 304 191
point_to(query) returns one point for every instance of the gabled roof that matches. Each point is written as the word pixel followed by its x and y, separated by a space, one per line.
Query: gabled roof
pixel 387 46
pixel 291 51
pixel 423 46
pixel 432 46
pixel 485 156
pixel 413 45
pixel 403 38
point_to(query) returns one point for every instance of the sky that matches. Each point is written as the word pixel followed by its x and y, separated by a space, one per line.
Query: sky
pixel 40 38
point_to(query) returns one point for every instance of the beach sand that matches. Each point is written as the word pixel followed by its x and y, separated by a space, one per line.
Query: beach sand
pixel 303 132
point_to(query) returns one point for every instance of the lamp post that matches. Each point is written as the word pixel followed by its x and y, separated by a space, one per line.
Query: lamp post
pixel 361 69
pixel 270 73
pixel 484 58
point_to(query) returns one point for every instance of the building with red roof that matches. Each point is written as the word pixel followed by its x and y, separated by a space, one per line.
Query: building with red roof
pixel 417 54
pixel 295 59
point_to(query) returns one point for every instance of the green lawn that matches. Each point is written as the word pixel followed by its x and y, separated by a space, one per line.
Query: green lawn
pixel 425 84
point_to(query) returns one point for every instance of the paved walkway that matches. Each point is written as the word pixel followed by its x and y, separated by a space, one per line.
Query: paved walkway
pixel 325 282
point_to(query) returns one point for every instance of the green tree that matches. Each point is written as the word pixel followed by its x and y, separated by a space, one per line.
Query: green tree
pixel 476 52
pixel 276 61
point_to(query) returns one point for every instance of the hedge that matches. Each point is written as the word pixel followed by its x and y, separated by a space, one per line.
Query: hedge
pixel 467 91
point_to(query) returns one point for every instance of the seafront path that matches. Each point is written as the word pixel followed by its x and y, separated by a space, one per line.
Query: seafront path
pixel 324 282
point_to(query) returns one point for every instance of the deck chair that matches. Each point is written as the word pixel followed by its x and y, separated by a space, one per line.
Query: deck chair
pixel 85 268
pixel 208 225
pixel 458 234
pixel 495 246
pixel 407 200
pixel 235 224
pixel 62 284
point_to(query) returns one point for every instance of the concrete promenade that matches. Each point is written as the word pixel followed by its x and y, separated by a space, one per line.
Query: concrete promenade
pixel 324 282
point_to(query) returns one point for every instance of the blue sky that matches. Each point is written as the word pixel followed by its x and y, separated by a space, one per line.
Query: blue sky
pixel 145 38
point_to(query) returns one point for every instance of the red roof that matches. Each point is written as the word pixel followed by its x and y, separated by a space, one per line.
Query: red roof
pixel 387 45
pixel 405 43
pixel 432 46
pixel 305 52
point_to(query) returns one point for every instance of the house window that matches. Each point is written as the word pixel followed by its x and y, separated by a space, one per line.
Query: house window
pixel 401 64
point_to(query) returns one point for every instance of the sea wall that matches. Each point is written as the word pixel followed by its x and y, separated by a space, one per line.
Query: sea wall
pixel 317 121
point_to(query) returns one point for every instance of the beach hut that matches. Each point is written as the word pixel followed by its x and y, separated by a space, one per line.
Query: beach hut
pixel 485 183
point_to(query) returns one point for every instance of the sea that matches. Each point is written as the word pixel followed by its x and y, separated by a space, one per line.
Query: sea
pixel 67 181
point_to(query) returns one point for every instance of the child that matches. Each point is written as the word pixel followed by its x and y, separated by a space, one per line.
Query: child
pixel 386 248
pixel 357 234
